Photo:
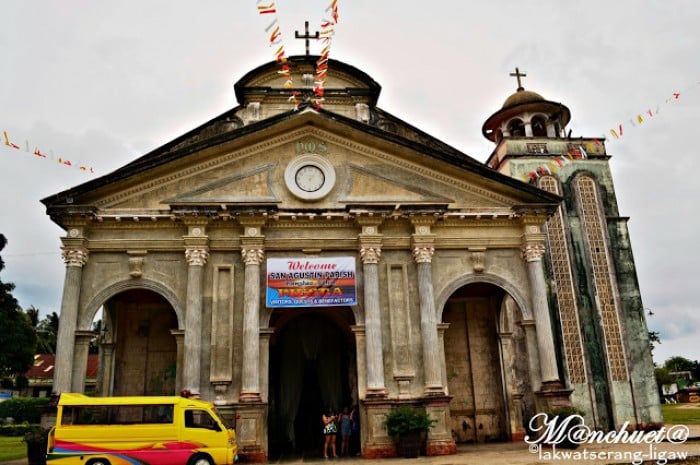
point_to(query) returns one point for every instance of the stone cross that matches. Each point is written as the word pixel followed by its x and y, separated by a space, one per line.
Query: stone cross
pixel 306 36
pixel 518 75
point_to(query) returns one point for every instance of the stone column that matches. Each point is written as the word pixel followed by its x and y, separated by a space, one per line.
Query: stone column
pixel 75 257
pixel 191 371
pixel 80 359
pixel 253 256
pixel 442 327
pixel 532 252
pixel 265 334
pixel 179 336
pixel 106 368
pixel 361 356
pixel 423 250
pixel 370 251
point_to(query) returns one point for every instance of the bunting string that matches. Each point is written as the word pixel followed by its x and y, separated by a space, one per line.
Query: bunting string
pixel 326 38
pixel 573 152
pixel 274 38
pixel 37 152
pixel 274 35
pixel 617 132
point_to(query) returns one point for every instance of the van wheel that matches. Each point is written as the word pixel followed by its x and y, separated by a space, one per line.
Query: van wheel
pixel 200 459
pixel 98 462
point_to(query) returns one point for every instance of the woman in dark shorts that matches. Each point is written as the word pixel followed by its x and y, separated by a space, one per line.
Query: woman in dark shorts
pixel 330 429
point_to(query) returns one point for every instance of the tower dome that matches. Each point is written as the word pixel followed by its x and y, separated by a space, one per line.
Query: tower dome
pixel 526 114
pixel 522 96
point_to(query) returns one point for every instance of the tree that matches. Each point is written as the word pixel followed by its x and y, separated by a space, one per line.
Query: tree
pixel 17 337
pixel 678 363
pixel 47 332
pixel 653 340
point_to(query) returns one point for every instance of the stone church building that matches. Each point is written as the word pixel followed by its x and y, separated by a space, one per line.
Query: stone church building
pixel 280 261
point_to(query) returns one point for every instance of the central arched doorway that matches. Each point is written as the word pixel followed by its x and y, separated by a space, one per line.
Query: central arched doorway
pixel 312 367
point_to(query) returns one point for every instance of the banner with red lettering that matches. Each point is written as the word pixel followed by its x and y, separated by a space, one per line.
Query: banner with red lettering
pixel 311 282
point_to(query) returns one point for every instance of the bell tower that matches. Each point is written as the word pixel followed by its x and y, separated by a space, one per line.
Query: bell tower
pixel 593 291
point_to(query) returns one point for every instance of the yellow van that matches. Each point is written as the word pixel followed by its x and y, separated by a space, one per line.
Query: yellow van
pixel 167 430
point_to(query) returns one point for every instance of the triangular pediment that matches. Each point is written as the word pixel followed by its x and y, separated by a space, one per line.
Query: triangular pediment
pixel 248 187
pixel 382 185
pixel 251 165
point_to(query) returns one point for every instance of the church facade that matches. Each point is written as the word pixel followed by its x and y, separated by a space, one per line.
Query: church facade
pixel 280 261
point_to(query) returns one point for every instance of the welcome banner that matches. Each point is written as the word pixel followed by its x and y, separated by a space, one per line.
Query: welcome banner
pixel 311 282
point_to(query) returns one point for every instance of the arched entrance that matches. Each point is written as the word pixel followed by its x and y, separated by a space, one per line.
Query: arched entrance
pixel 145 351
pixel 473 362
pixel 312 367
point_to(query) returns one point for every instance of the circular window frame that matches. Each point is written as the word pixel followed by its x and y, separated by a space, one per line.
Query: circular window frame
pixel 314 160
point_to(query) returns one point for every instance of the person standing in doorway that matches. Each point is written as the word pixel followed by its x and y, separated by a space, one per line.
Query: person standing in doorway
pixel 345 431
pixel 330 430
pixel 355 433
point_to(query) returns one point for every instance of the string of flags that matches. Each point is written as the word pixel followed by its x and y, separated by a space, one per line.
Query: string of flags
pixel 573 152
pixel 619 130
pixel 275 39
pixel 327 33
pixel 616 132
pixel 37 152
pixel 274 32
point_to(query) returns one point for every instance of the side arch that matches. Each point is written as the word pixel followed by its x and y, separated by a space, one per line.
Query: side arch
pixel 506 285
pixel 104 295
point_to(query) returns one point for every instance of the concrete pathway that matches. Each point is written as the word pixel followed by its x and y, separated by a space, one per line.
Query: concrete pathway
pixel 519 453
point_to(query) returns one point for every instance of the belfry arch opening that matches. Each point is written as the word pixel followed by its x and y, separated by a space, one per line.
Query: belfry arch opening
pixel 312 367
pixel 138 349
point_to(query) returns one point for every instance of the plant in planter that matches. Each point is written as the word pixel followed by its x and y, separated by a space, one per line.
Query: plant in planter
pixel 37 439
pixel 560 414
pixel 407 426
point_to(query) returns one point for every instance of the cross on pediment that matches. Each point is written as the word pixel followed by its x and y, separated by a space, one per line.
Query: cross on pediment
pixel 517 74
pixel 306 36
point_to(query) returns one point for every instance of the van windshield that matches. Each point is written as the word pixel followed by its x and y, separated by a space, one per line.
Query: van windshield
pixel 227 423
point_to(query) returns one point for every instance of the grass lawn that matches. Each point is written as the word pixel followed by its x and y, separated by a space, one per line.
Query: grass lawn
pixel 12 448
pixel 681 414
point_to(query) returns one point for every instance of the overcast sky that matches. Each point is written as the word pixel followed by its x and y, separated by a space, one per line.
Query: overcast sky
pixel 102 83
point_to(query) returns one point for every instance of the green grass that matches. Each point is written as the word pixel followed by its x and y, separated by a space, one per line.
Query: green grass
pixel 12 448
pixel 681 414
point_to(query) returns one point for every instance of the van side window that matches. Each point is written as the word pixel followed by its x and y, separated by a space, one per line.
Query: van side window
pixel 200 419
pixel 117 414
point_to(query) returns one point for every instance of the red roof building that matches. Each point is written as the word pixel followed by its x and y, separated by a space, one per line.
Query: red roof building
pixel 40 375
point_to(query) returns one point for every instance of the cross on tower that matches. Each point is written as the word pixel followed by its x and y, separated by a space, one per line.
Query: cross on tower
pixel 518 75
pixel 306 36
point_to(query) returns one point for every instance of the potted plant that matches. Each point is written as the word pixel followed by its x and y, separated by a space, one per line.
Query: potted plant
pixel 407 426
pixel 37 439
pixel 560 414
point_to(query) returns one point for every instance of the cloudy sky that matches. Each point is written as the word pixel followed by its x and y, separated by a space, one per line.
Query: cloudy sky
pixel 101 83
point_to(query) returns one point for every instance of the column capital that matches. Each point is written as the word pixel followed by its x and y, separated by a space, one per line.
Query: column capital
pixel 74 256
pixel 252 256
pixel 423 253
pixel 197 256
pixel 533 251
pixel 370 255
